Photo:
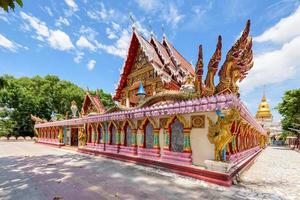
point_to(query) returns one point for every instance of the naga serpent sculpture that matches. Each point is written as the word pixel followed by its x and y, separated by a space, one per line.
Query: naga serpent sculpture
pixel 219 133
pixel 239 60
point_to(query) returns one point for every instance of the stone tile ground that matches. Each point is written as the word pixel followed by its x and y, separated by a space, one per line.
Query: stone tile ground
pixel 34 171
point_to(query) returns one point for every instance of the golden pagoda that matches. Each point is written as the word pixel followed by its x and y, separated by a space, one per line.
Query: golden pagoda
pixel 263 111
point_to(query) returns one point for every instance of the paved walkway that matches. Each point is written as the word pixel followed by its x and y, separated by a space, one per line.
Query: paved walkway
pixel 34 171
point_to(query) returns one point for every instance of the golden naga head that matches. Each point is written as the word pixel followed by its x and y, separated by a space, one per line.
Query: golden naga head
pixel 239 60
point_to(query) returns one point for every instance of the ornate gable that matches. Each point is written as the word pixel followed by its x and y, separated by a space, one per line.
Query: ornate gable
pixel 151 64
pixel 92 105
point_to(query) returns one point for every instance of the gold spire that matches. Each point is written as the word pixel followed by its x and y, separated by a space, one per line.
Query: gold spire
pixel 263 111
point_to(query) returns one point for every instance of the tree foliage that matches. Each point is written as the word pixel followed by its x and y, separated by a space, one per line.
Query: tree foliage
pixel 40 96
pixel 289 108
pixel 6 4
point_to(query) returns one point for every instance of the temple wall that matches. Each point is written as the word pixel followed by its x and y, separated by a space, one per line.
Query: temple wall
pixel 202 149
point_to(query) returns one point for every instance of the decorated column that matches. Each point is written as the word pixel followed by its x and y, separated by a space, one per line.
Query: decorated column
pixel 156 138
pixel 133 137
pixel 167 139
pixel 60 135
pixel 118 135
pixel 122 136
pixel 187 140
pixel 142 138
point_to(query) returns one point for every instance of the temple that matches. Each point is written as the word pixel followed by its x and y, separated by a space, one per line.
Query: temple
pixel 265 118
pixel 169 115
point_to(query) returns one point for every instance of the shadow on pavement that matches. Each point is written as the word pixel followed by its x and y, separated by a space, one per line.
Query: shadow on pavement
pixel 76 176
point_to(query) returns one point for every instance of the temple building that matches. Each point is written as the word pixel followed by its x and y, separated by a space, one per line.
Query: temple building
pixel 265 119
pixel 263 114
pixel 168 115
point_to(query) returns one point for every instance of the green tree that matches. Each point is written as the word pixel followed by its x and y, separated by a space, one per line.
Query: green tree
pixel 40 96
pixel 289 108
pixel 6 4
pixel 6 124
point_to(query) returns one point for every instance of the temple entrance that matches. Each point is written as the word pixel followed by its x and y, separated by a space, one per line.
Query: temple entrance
pixel 74 137
pixel 149 137
pixel 177 136
pixel 128 135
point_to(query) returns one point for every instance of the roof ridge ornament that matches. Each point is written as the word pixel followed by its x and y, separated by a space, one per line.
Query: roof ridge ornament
pixel 163 31
pixel 239 60
pixel 133 25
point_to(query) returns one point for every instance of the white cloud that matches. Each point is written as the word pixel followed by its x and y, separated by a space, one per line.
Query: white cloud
pixel 60 40
pixel 274 66
pixel 149 5
pixel 83 42
pixel 7 44
pixel 172 16
pixel 79 57
pixel 120 47
pixel 48 10
pixel 88 32
pixel 285 30
pixel 72 5
pixel 115 26
pixel 61 20
pixel 110 34
pixel 279 65
pixel 105 15
pixel 3 18
pixel 91 65
pixel 39 26
pixel 57 39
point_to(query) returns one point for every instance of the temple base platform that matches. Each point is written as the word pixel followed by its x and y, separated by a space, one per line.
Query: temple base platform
pixel 236 160
pixel 215 172
pixel 177 157
pixel 152 154
pixel 128 150
pixel 112 148
pixel 50 142
pixel 100 147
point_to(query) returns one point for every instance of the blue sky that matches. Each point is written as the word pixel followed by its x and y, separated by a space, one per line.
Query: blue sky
pixel 85 41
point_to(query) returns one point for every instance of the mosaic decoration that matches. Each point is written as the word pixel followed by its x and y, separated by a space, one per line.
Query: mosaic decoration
pixel 163 122
pixel 198 121
pixel 128 136
pixel 177 136
pixel 149 136
pixel 113 135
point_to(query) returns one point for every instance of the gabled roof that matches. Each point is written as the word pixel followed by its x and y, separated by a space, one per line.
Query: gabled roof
pixel 162 51
pixel 158 56
pixel 178 59
pixel 95 101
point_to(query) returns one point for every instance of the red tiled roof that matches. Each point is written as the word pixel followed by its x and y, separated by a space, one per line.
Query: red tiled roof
pixel 162 51
pixel 178 57
pixel 95 100
pixel 157 55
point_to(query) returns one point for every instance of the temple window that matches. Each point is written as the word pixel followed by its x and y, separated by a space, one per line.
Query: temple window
pixel 113 135
pixel 149 136
pixel 177 136
pixel 128 135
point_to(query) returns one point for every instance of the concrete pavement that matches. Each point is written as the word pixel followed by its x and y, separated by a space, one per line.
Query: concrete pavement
pixel 35 171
